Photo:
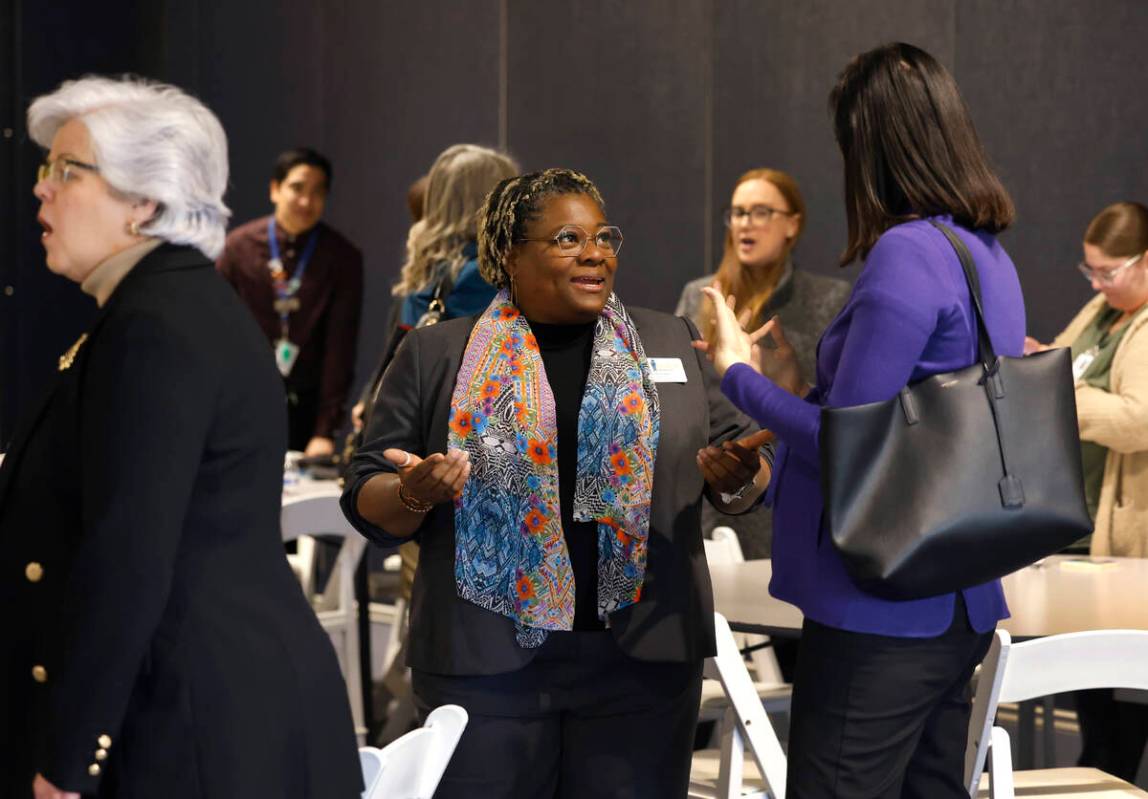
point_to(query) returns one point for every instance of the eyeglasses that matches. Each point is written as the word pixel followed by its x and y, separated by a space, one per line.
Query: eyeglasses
pixel 758 215
pixel 62 169
pixel 1106 277
pixel 573 239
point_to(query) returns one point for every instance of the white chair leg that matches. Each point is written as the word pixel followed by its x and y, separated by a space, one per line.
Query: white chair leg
pixel 732 762
pixel 1000 766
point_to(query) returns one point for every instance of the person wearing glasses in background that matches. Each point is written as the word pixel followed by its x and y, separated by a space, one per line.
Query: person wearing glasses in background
pixel 156 642
pixel 550 455
pixel 303 281
pixel 1109 341
pixel 763 224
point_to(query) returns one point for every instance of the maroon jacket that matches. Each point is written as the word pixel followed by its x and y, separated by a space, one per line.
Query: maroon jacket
pixel 326 326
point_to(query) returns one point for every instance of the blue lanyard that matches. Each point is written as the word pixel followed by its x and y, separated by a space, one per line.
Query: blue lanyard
pixel 285 290
pixel 304 259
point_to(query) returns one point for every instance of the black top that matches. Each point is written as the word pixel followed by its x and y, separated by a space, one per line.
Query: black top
pixel 566 356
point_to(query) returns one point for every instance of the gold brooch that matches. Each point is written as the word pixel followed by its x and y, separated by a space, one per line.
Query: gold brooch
pixel 69 356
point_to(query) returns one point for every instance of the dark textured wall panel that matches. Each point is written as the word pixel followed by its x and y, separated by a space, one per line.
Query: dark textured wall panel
pixel 618 90
pixel 774 67
pixel 1056 88
pixel 662 102
pixel 45 313
pixel 261 70
pixel 402 82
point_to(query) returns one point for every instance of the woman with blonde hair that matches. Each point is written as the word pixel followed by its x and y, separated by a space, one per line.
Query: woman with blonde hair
pixel 441 267
pixel 443 243
pixel 764 222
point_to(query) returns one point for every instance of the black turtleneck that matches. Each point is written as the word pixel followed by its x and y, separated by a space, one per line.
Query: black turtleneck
pixel 566 356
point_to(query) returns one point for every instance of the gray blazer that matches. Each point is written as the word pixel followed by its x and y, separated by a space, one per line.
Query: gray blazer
pixel 806 304
pixel 674 619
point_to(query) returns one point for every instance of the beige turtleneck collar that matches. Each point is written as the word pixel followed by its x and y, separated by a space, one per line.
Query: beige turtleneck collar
pixel 108 273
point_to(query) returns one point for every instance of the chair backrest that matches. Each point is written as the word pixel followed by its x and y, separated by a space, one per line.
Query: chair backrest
pixel 752 721
pixel 410 767
pixel 1045 666
pixel 314 514
pixel 319 513
pixel 723 547
pixel 371 763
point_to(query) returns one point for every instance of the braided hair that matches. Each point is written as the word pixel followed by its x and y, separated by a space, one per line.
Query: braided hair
pixel 512 204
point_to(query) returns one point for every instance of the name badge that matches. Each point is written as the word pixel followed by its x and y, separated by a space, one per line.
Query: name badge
pixel 1083 361
pixel 666 370
pixel 286 354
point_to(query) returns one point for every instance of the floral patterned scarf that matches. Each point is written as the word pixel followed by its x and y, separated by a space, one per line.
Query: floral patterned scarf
pixel 510 552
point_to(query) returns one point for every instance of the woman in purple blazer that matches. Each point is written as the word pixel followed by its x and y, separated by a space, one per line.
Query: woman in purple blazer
pixel 881 693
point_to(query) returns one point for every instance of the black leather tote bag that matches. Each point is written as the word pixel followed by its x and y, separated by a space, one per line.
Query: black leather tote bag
pixel 963 477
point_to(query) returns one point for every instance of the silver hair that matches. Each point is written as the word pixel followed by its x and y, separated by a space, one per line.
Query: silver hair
pixel 151 141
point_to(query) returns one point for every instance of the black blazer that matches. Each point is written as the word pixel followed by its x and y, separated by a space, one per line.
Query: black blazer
pixel 156 642
pixel 674 619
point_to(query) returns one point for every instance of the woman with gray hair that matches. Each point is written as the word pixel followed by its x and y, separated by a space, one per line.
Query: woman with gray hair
pixel 158 644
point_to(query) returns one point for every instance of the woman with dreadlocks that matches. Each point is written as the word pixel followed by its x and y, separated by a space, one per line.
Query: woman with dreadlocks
pixel 550 455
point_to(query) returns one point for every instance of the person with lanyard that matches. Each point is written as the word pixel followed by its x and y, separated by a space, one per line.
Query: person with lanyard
pixel 1109 342
pixel 303 281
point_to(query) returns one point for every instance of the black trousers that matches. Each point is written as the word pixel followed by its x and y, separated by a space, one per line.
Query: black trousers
pixel 581 721
pixel 302 413
pixel 880 717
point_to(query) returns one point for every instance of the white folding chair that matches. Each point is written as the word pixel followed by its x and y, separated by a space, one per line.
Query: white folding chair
pixel 774 692
pixel 410 767
pixel 319 514
pixel 724 776
pixel 1041 667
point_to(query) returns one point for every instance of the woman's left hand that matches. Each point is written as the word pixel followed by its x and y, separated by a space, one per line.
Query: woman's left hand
pixel 735 464
pixel 729 344
pixel 42 789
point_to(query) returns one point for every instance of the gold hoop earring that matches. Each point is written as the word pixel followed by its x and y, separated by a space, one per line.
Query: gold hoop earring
pixel 133 228
pixel 513 293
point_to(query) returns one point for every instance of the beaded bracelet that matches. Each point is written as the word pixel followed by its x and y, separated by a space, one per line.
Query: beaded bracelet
pixel 412 504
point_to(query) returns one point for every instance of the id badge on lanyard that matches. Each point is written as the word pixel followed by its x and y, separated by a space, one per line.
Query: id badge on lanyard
pixel 286 301
pixel 286 354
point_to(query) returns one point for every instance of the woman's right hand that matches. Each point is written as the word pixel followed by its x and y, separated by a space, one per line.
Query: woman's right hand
pixel 730 344
pixel 433 479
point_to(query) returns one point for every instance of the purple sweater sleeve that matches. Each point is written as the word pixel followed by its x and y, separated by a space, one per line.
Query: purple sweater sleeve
pixel 881 346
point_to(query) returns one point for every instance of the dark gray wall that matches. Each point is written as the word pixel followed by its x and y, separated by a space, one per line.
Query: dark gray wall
pixel 662 102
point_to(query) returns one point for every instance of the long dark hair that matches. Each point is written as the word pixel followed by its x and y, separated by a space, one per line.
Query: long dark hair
pixel 910 148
